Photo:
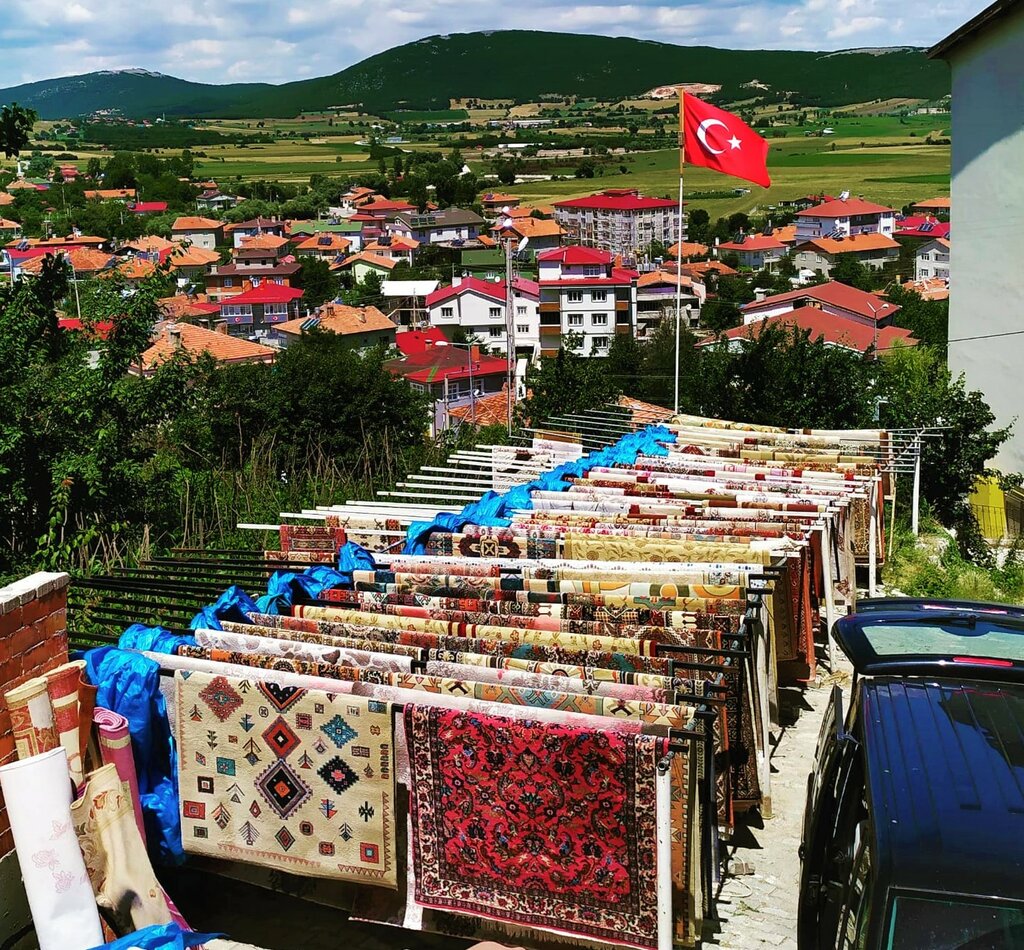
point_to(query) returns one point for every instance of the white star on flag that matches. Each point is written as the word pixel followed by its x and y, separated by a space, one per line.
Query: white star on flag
pixel 734 142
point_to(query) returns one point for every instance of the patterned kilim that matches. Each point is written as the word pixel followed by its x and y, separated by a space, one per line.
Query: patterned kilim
pixel 298 780
pixel 510 822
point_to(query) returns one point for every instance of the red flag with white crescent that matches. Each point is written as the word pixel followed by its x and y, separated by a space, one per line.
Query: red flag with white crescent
pixel 721 141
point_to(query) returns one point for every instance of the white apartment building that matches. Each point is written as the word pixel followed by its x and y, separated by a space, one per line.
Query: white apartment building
pixel 583 293
pixel 932 260
pixel 843 217
pixel 478 308
pixel 620 220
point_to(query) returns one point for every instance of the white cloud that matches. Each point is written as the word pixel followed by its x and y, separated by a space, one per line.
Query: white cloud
pixel 261 40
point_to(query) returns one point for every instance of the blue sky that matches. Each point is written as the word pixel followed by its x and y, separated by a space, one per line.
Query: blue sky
pixel 274 41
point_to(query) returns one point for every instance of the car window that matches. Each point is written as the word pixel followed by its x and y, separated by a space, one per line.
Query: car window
pixel 955 924
pixel 854 933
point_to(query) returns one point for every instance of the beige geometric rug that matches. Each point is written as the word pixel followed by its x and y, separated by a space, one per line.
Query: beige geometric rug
pixel 294 779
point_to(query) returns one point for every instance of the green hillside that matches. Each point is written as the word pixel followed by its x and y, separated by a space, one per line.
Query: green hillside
pixel 426 74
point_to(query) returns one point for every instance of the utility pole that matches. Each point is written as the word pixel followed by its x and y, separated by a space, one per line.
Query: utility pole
pixel 510 331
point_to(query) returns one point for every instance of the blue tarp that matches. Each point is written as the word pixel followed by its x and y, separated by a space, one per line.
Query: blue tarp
pixel 234 604
pixel 153 639
pixel 286 588
pixel 494 510
pixel 129 684
pixel 159 937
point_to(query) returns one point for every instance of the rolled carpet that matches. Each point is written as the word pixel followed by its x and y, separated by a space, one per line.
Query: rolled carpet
pixel 116 749
pixel 37 793
pixel 32 721
pixel 62 685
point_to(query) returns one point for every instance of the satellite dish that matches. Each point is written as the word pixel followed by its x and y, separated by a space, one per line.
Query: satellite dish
pixel 506 211
pixel 521 246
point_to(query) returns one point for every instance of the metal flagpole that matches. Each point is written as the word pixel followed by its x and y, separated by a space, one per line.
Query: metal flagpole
pixel 679 243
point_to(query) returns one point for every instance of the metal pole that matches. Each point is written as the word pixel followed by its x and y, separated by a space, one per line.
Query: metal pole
pixel 510 338
pixel 915 508
pixel 679 290
pixel 873 540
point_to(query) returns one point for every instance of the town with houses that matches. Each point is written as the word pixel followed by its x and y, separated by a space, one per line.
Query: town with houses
pixel 582 270
pixel 446 506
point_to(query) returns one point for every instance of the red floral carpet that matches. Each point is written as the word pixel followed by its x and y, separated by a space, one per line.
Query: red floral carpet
pixel 535 824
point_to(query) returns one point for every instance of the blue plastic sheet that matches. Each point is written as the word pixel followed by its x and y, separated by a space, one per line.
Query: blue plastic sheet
pixel 494 510
pixel 285 588
pixel 159 937
pixel 153 639
pixel 234 604
pixel 129 684
pixel 353 557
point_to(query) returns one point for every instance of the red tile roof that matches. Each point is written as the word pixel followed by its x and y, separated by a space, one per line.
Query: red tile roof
pixel 101 329
pixel 446 362
pixel 491 410
pixel 411 342
pixel 105 194
pixel 687 249
pixel 266 293
pixel 148 207
pixel 834 293
pixel 834 330
pixel 843 209
pixel 384 206
pixel 618 199
pixel 940 202
pixel 910 226
pixel 373 260
pixel 576 254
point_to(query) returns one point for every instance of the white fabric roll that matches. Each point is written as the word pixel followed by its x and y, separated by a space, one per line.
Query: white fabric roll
pixel 37 792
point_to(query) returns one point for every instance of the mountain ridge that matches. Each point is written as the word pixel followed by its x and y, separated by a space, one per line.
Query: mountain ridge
pixel 428 72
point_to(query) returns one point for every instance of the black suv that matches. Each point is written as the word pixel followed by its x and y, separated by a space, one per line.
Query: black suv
pixel 913 834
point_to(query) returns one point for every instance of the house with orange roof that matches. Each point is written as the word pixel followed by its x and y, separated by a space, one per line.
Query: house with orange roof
pixel 134 270
pixel 326 246
pixel 365 263
pixel 820 255
pixel 151 247
pixel 395 247
pixel 362 327
pixel 480 411
pixel 6 199
pixel 198 231
pixel 84 261
pixel 110 194
pixel 254 227
pixel 175 338
pixel 701 269
pixel 687 250
pixel 195 308
pixel 541 234
pixel 656 300
pixel 191 263
pixel 494 203
pixel 930 288
pixel 932 260
pixel 262 242
pixel 938 205
pixel 9 229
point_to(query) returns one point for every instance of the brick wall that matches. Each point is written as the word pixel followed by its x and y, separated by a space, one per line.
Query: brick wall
pixel 33 641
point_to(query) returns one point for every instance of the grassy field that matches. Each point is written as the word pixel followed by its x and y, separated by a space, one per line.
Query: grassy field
pixel 882 157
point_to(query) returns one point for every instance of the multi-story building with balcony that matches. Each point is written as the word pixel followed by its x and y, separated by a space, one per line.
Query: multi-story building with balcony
pixel 584 294
pixel 844 217
pixel 478 307
pixel 620 220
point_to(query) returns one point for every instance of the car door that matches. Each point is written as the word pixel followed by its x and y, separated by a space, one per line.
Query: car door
pixel 829 793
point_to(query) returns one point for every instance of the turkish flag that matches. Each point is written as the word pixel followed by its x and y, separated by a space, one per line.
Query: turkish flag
pixel 720 140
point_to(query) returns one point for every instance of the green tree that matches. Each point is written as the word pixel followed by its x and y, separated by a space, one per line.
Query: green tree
pixel 566 383
pixel 317 281
pixel 15 128
pixel 720 315
pixel 93 168
pixel 848 270
pixel 698 226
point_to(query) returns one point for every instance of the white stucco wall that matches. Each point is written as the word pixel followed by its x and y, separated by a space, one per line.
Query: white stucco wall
pixel 986 295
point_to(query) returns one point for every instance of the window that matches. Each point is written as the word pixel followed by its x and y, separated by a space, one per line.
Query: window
pixel 592 270
pixel 495 332
pixel 447 311
pixel 522 328
pixel 599 319
pixel 575 319
pixel 229 281
pixel 521 311
pixel 597 295
pixel 574 296
pixel 494 313
pixel 938 922
pixel 600 343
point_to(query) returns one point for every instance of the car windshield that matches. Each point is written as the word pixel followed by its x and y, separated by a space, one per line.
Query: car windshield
pixel 973 636
pixel 944 924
